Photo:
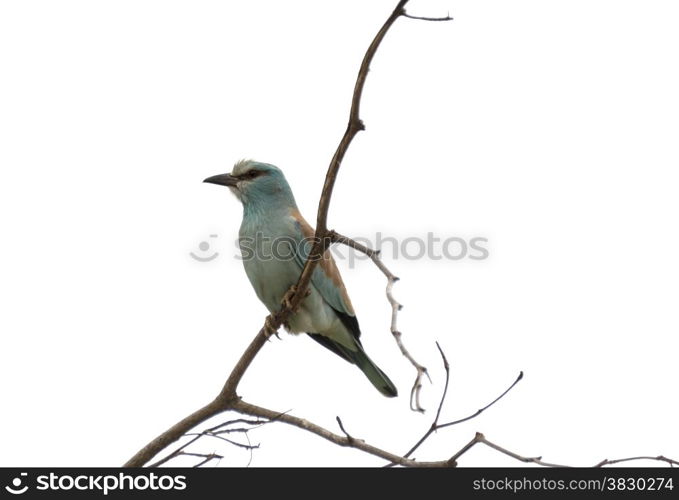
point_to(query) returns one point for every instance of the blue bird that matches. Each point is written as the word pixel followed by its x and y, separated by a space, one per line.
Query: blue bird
pixel 275 241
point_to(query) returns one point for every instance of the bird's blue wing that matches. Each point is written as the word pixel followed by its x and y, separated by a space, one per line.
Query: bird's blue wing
pixel 325 278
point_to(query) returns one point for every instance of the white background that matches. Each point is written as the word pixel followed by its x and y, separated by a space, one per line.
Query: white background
pixel 548 127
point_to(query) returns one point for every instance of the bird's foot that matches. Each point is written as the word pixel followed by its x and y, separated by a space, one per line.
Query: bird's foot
pixel 287 298
pixel 269 328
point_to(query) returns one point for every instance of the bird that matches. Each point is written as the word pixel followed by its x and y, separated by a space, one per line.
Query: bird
pixel 275 241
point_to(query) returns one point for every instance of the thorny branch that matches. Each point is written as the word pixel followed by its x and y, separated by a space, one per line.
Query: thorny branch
pixel 374 255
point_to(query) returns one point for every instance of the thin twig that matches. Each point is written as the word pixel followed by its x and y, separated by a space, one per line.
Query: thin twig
pixel 179 451
pixel 374 255
pixel 435 426
pixel 480 438
pixel 481 410
pixel 214 432
pixel 251 450
pixel 235 430
pixel 230 441
pixel 446 367
pixel 254 423
pixel 206 458
pixel 659 458
pixel 341 426
pixel 422 18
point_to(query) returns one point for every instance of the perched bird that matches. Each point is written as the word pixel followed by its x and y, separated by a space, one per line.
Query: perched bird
pixel 275 241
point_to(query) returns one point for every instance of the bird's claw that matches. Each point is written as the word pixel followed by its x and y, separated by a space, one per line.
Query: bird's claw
pixel 269 328
pixel 287 298
pixel 286 302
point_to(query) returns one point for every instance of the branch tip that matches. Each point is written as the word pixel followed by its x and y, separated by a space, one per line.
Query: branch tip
pixel 349 437
pixel 425 18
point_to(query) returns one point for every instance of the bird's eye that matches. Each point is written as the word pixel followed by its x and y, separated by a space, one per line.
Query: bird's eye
pixel 251 174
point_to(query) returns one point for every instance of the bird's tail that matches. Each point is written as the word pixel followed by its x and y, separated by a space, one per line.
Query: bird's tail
pixel 376 376
pixel 359 358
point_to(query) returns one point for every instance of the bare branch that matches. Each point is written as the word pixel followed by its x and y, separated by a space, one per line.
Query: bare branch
pixel 206 457
pixel 659 458
pixel 350 442
pixel 341 426
pixel 230 441
pixel 480 438
pixel 435 19
pixel 216 432
pixel 265 416
pixel 374 255
pixel 516 456
pixel 481 410
pixel 179 451
pixel 446 367
pixel 246 421
pixel 242 430
pixel 435 426
pixel 354 126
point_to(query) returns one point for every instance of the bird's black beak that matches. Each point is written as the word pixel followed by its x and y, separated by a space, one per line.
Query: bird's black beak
pixel 223 180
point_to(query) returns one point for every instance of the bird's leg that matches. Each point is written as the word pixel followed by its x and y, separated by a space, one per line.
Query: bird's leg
pixel 286 302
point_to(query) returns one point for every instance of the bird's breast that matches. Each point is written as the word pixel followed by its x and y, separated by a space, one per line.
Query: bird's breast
pixel 269 261
pixel 272 266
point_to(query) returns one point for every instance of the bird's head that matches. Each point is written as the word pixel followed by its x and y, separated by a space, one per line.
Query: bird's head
pixel 256 183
